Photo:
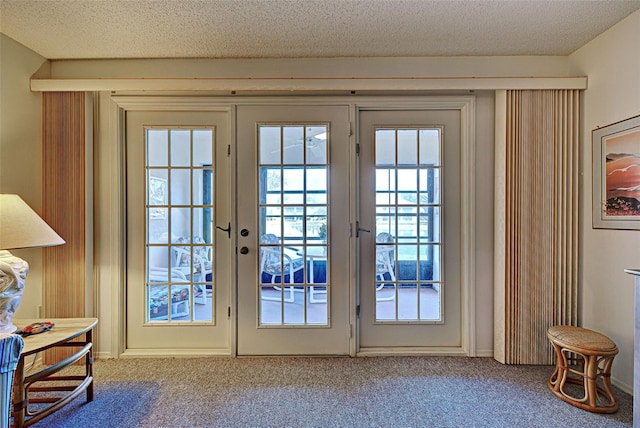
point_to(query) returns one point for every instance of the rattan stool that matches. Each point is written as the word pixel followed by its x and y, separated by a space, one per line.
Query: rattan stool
pixel 583 357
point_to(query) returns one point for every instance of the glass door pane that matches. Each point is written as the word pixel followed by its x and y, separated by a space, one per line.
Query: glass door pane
pixel 179 242
pixel 293 217
pixel 407 225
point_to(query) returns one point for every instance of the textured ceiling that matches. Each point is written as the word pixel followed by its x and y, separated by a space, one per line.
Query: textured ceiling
pixel 64 29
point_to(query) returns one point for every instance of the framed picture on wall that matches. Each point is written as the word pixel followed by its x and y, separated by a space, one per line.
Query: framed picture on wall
pixel 616 175
pixel 157 196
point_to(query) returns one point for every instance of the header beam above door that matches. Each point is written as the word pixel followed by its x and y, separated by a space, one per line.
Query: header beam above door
pixel 306 84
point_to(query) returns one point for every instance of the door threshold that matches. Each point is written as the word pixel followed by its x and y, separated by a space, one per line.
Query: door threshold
pixel 412 351
pixel 175 353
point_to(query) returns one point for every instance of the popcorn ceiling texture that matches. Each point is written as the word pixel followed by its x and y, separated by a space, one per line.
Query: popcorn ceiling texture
pixel 65 29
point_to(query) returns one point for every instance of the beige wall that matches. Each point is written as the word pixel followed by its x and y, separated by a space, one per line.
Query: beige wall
pixel 485 138
pixel 519 66
pixel 20 150
pixel 612 63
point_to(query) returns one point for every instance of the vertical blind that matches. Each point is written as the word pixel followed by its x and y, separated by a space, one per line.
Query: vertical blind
pixel 536 222
pixel 63 163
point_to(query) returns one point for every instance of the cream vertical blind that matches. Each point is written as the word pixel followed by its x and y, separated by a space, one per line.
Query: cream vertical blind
pixel 536 221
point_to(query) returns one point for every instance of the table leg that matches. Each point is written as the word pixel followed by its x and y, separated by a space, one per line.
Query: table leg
pixel 19 401
pixel 89 363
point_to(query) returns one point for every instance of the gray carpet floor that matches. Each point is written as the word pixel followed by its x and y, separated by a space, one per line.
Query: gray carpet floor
pixel 326 392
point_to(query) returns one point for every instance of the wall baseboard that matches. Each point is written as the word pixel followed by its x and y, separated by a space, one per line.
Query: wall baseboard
pixel 622 385
pixel 484 353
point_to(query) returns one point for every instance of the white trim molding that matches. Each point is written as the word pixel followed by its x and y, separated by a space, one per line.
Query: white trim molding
pixel 111 210
pixel 293 84
pixel 467 107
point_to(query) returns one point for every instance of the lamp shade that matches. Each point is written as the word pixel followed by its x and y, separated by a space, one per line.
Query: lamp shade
pixel 22 227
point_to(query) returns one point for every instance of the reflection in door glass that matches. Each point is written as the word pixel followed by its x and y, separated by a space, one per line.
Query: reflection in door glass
pixel 408 283
pixel 179 240
pixel 293 216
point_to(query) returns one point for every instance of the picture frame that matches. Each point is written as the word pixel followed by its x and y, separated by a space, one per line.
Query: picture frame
pixel 616 175
pixel 157 196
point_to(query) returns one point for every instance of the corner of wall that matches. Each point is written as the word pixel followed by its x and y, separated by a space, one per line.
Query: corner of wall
pixel 20 149
pixel 44 72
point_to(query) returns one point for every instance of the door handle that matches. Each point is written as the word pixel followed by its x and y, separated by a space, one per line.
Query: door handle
pixel 244 250
pixel 359 229
pixel 228 229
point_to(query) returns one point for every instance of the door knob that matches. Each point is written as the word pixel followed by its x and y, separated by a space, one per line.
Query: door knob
pixel 244 232
pixel 244 250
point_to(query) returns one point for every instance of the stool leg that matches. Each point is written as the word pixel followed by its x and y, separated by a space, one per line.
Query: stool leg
pixel 590 373
pixel 557 378
pixel 607 389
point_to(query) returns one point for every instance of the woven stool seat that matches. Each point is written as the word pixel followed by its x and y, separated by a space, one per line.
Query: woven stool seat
pixel 583 357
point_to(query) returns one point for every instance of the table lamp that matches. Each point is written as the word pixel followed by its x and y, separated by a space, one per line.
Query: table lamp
pixel 20 227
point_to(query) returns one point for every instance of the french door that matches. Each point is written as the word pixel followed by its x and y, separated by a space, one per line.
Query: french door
pixel 308 251
pixel 409 230
pixel 293 223
pixel 178 262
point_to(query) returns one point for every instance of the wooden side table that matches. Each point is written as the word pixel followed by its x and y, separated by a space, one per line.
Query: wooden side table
pixel 63 332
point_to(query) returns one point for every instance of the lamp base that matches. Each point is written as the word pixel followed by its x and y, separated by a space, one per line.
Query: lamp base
pixel 13 273
pixel 7 329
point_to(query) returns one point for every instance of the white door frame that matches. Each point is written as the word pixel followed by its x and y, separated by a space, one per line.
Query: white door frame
pixel 113 239
pixel 110 197
pixel 196 338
